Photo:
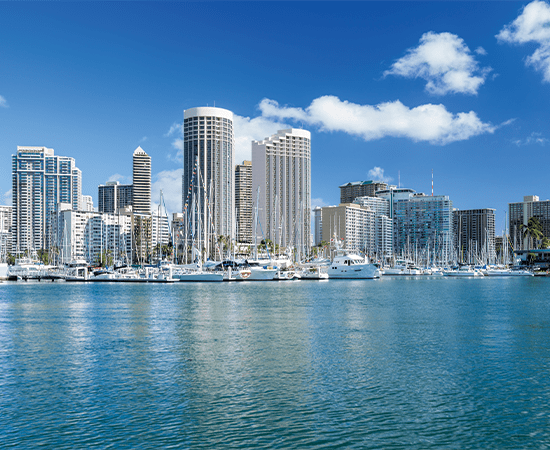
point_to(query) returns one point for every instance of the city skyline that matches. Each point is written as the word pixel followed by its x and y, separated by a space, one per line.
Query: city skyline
pixel 388 90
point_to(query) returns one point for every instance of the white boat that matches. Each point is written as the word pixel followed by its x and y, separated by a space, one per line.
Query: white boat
pixel 27 269
pixel 3 271
pixel 463 271
pixel 256 273
pixel 198 275
pixel 508 273
pixel 351 265
pixel 402 268
pixel 285 275
pixel 314 273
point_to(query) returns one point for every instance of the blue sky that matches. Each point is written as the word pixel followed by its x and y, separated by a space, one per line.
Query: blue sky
pixel 391 89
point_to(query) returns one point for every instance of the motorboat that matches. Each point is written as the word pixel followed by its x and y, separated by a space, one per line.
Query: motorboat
pixel 463 271
pixel 350 265
pixel 314 273
pixel 504 272
pixel 402 268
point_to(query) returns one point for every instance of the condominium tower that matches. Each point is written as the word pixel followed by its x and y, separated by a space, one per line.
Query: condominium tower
pixel 141 182
pixel 350 191
pixel 113 195
pixel 40 181
pixel 519 215
pixel 281 170
pixel 208 179
pixel 243 201
pixel 423 225
pixel 474 231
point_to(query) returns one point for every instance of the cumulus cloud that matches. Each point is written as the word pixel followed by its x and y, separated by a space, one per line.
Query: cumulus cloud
pixel 532 26
pixel 315 202
pixel 445 62
pixel 8 197
pixel 431 123
pixel 170 183
pixel 120 178
pixel 3 102
pixel 247 130
pixel 377 174
pixel 534 138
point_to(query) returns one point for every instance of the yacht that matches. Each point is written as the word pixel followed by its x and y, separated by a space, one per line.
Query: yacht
pixel 402 267
pixel 503 272
pixel 463 271
pixel 314 273
pixel 351 265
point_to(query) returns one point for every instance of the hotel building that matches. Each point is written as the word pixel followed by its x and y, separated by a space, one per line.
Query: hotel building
pixel 243 201
pixel 281 181
pixel 208 180
pixel 141 182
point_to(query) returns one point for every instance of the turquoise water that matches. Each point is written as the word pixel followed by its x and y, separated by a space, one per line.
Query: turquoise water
pixel 366 364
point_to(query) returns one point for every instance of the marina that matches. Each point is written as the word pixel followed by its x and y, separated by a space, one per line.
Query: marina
pixel 411 363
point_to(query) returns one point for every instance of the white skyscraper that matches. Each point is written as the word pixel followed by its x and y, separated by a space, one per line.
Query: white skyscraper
pixel 208 175
pixel 281 169
pixel 141 182
pixel 40 181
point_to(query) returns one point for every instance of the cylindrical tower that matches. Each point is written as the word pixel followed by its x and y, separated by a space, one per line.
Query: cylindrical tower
pixel 208 175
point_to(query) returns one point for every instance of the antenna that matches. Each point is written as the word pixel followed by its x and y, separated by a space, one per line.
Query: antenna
pixel 399 179
pixel 432 182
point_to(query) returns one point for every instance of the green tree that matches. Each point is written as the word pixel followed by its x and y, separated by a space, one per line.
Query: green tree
pixel 545 243
pixel 532 231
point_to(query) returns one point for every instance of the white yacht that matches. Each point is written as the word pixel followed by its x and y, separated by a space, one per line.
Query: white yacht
pixel 26 269
pixel 503 272
pixel 402 267
pixel 255 272
pixel 350 265
pixel 314 273
pixel 463 271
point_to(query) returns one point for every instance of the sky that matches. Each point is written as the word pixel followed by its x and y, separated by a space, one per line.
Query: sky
pixel 389 90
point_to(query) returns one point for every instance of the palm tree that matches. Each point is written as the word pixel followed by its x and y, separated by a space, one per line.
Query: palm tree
pixel 533 229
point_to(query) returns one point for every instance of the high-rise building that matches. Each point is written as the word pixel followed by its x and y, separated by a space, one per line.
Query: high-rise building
pixel 424 224
pixel 87 235
pixel 141 182
pixel 317 225
pixel 351 224
pixel 382 244
pixel 208 180
pixel 350 191
pixel 521 212
pixel 5 231
pixel 281 170
pixel 474 232
pixel 40 181
pixel 113 195
pixel 87 203
pixel 243 201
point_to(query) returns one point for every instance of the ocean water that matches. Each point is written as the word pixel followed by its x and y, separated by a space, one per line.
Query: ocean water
pixel 371 364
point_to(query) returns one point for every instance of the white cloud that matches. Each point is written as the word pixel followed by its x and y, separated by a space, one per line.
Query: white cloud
pixel 120 178
pixel 246 130
pixel 431 123
pixel 534 138
pixel 377 174
pixel 445 62
pixel 318 202
pixel 3 102
pixel 7 197
pixel 170 183
pixel 532 25
pixel 143 139
pixel 175 127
